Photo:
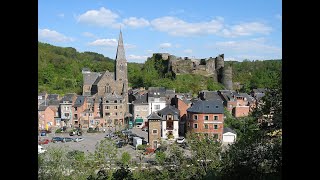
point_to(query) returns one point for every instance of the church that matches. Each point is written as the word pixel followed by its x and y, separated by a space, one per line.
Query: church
pixel 110 89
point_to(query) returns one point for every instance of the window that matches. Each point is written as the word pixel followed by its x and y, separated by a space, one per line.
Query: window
pixel 206 126
pixel 215 126
pixel 115 107
pixel 217 106
pixel 91 122
pixel 188 124
pixel 107 101
pixel 76 116
pixel 107 114
pixel 107 107
pixel 188 116
pixel 155 131
pixel 75 108
pixel 90 114
pixel 120 101
pixel 157 107
pixel 206 117
pixel 66 114
pixel 116 114
pixel 115 101
pixel 67 108
pixel 215 136
pixel 215 117
pixel 195 126
pixel 195 117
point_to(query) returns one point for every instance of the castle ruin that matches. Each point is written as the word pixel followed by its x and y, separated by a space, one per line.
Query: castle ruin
pixel 211 67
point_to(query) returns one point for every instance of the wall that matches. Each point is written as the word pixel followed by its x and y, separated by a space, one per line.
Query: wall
pixel 154 124
pixel 201 122
pixel 241 111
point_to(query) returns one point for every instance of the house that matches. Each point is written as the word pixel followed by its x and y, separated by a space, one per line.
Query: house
pixel 66 112
pixel 169 122
pixel 78 108
pixel 156 99
pixel 154 130
pixel 140 110
pixel 182 104
pixel 114 109
pixel 206 117
pixel 229 135
pixel 46 117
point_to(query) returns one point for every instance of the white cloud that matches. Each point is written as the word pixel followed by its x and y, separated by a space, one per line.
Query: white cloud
pixel 104 42
pixel 165 45
pixel 88 34
pixel 249 49
pixel 61 15
pixel 177 27
pixel 188 51
pixel 102 17
pixel 137 58
pixel 54 36
pixel 246 29
pixel 136 22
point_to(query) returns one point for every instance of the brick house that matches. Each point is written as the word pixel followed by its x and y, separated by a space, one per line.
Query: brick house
pixel 46 116
pixel 182 104
pixel 206 117
pixel 154 130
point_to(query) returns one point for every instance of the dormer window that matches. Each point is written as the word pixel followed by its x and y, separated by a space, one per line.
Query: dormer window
pixel 217 106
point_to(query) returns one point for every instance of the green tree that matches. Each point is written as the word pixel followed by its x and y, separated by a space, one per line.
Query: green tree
pixel 160 157
pixel 125 158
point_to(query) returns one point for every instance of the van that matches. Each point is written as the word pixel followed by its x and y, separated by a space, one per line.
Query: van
pixel 41 149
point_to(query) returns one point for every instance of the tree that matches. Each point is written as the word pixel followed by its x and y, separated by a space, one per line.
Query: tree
pixel 125 158
pixel 123 174
pixel 160 157
pixel 106 150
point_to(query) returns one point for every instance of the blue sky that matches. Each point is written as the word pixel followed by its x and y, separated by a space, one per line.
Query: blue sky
pixel 239 29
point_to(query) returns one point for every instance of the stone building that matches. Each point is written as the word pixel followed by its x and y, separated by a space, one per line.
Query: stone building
pixel 154 130
pixel 110 88
pixel 140 110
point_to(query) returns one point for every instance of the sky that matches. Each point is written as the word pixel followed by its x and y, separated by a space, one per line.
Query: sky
pixel 239 29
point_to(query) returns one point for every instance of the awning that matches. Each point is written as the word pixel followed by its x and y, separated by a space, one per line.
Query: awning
pixel 138 120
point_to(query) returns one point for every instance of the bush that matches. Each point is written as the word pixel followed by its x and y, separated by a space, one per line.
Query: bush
pixel 141 147
pixel 170 136
pixel 59 130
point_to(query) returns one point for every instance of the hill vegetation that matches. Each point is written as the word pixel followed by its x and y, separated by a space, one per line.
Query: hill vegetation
pixel 59 71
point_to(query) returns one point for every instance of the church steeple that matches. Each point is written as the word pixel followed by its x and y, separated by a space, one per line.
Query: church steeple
pixel 120 49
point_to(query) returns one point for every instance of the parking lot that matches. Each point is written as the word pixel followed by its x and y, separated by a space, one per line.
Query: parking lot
pixel 90 141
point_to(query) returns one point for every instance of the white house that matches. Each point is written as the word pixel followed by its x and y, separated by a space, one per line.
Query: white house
pixel 229 135
pixel 170 117
pixel 156 99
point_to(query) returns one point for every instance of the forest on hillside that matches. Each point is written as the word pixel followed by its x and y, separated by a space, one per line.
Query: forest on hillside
pixel 59 71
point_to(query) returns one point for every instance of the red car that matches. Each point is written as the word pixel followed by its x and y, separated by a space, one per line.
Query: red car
pixel 43 141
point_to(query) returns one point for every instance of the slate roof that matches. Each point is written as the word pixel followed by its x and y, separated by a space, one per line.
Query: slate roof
pixel 68 97
pixel 79 101
pixel 154 115
pixel 90 99
pixel 210 107
pixel 226 129
pixel 54 102
pixel 156 92
pixel 141 99
pixel 42 108
pixel 259 90
pixel 53 96
pixel 249 98
pixel 169 110
pixel 212 95
pixel 112 96
pixel 90 78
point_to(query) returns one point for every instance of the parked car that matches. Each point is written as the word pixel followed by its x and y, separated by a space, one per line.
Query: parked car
pixel 78 139
pixel 43 141
pixel 180 139
pixel 41 149
pixel 76 131
pixel 120 144
pixel 56 139
pixel 67 139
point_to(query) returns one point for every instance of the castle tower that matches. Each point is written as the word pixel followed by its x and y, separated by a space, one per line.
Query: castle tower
pixel 121 72
pixel 227 77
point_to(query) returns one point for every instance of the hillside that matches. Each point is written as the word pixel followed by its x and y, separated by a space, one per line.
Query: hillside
pixel 59 71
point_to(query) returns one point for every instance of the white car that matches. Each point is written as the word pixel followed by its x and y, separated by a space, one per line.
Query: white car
pixel 180 140
pixel 78 139
pixel 41 149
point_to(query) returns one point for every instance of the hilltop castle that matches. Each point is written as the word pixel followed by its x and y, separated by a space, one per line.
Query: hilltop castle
pixel 212 67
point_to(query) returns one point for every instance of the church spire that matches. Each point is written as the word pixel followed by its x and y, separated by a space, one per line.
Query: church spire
pixel 120 49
